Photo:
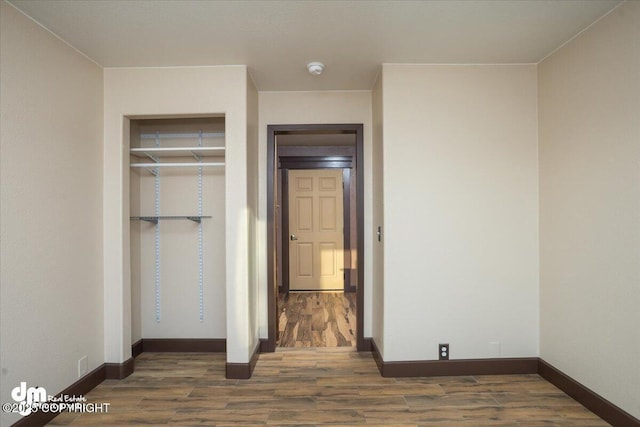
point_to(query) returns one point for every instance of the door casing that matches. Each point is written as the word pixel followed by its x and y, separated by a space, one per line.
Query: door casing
pixel 272 158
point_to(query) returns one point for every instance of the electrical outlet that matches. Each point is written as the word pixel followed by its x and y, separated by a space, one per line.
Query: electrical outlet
pixel 83 366
pixel 443 351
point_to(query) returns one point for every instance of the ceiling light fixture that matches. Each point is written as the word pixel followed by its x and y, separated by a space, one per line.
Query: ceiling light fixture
pixel 315 68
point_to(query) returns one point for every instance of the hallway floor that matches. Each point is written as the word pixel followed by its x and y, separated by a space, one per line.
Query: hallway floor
pixel 317 319
pixel 312 387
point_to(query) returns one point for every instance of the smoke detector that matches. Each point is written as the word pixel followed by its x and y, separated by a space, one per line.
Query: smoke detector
pixel 315 68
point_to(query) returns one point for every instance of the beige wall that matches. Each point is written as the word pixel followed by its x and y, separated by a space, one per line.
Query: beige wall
pixel 255 241
pixel 590 208
pixel 315 108
pixel 50 209
pixel 377 178
pixel 192 91
pixel 135 235
pixel 460 211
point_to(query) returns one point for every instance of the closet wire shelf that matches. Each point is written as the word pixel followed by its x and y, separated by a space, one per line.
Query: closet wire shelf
pixel 198 153
pixel 155 219
pixel 175 165
pixel 192 135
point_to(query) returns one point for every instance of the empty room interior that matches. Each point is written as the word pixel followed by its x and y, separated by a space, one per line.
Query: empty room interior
pixel 406 213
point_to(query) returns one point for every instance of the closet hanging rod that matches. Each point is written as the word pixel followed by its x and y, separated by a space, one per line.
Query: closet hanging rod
pixel 174 165
pixel 181 135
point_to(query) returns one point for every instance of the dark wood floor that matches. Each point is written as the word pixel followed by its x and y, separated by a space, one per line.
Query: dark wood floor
pixel 310 387
pixel 317 319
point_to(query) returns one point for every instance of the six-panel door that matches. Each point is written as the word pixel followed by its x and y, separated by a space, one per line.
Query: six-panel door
pixel 316 240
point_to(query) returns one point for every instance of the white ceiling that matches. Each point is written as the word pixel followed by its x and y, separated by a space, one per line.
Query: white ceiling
pixel 276 39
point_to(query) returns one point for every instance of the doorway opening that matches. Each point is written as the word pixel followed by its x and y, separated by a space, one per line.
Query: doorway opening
pixel 315 236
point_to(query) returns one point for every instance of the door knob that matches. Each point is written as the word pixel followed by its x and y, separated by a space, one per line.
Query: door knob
pixel 293 237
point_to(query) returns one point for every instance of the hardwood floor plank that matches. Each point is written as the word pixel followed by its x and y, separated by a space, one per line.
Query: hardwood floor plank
pixel 317 417
pixel 464 400
pixel 216 416
pixel 360 402
pixel 64 419
pixel 187 403
pixel 385 416
pixel 318 319
pixel 403 390
pixel 291 403
pixel 125 418
pixel 318 391
pixel 304 329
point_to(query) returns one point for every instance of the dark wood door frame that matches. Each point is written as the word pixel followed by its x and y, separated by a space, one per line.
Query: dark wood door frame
pixel 272 157
pixel 290 157
pixel 329 162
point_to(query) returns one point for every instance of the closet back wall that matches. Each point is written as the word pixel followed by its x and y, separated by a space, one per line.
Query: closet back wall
pixel 179 285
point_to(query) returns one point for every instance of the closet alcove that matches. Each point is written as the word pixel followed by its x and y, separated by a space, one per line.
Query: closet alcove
pixel 177 231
